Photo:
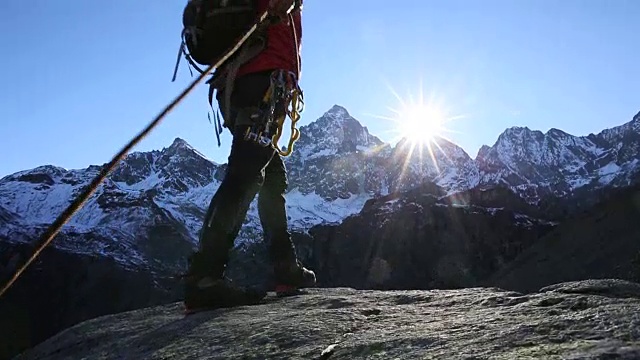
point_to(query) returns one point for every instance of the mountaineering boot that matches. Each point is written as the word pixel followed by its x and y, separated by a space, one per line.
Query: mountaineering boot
pixel 204 290
pixel 292 277
pixel 209 294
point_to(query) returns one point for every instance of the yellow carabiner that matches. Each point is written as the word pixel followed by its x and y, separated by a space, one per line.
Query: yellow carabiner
pixel 297 105
pixel 293 106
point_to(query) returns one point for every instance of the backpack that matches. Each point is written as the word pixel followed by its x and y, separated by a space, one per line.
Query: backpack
pixel 212 27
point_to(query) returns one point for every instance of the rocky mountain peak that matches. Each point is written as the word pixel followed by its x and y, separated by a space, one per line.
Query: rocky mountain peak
pixel 556 162
pixel 629 132
pixel 180 150
pixel 336 118
pixel 179 143
pixel 557 133
pixel 336 131
pixel 185 166
pixel 178 166
pixel 450 148
pixel 337 113
pixel 518 135
pixel 518 146
pixel 482 152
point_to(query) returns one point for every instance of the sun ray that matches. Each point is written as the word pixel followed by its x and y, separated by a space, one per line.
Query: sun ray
pixel 434 161
pixel 405 165
pixel 420 125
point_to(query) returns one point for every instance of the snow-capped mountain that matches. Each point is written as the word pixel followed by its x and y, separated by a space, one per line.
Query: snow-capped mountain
pixel 439 161
pixel 536 164
pixel 337 166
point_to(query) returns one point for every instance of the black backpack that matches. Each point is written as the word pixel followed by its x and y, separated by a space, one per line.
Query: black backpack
pixel 212 27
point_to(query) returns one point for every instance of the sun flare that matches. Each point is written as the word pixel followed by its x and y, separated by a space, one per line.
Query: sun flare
pixel 420 123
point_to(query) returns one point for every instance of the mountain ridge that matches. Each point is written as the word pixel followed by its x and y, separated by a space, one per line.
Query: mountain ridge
pixel 338 166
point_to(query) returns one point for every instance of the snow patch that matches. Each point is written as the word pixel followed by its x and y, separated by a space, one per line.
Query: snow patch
pixel 610 168
pixel 306 210
pixel 321 153
pixel 148 183
pixel 578 182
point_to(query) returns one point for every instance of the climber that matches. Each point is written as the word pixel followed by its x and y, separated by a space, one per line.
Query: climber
pixel 252 170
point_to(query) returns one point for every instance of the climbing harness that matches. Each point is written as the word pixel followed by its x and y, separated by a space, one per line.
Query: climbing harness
pixel 283 98
pixel 284 93
pixel 77 204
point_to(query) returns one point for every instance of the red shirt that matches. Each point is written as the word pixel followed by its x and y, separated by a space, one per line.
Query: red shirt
pixel 280 52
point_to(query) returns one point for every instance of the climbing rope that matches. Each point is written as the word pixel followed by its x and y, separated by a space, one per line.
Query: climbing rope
pixel 77 204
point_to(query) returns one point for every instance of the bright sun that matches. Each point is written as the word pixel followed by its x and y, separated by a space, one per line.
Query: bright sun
pixel 420 123
pixel 420 120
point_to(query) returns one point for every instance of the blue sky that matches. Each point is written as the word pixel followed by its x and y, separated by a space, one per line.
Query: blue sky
pixel 80 78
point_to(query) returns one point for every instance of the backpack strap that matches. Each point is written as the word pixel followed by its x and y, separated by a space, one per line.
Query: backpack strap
pixel 224 78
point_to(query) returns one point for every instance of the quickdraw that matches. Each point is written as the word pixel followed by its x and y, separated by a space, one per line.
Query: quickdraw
pixel 284 98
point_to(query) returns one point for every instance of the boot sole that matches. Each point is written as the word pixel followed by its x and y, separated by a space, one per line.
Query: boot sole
pixel 290 293
pixel 265 300
pixel 284 291
pixel 190 311
pixel 202 308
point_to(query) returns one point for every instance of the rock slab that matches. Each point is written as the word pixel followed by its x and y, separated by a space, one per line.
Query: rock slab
pixel 595 319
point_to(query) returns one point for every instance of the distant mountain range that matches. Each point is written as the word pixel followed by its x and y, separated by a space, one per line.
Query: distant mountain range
pixel 337 166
